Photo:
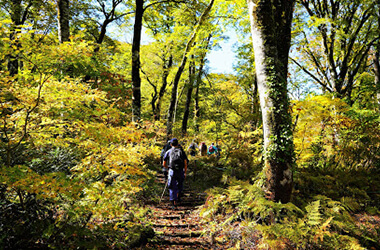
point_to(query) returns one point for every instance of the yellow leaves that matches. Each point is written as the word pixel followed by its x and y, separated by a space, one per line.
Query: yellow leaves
pixel 244 134
pixel 46 186
pixel 111 168
pixel 317 118
pixel 326 224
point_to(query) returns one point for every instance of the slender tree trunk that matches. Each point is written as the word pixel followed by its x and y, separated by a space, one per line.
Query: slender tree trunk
pixel 178 75
pixel 102 35
pixel 189 93
pixel 103 31
pixel 187 109
pixel 63 21
pixel 136 79
pixel 173 99
pixel 16 13
pixel 161 93
pixel 18 17
pixel 197 112
pixel 198 83
pixel 176 103
pixel 270 27
pixel 153 104
pixel 154 97
pixel 377 71
pixel 376 60
pixel 255 106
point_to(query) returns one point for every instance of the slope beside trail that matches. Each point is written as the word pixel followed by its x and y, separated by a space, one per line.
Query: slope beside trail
pixel 181 228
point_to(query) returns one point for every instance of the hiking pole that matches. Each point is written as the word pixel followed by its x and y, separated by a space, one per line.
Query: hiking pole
pixel 164 191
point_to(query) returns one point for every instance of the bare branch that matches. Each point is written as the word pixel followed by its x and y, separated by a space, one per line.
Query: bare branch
pixel 311 75
pixel 149 81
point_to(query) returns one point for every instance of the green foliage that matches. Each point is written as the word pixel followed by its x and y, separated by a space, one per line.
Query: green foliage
pixel 54 160
pixel 74 173
pixel 70 167
pixel 23 224
pixel 329 133
pixel 243 158
pixel 321 224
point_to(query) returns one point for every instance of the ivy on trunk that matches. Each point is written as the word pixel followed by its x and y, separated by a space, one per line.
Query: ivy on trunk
pixel 271 35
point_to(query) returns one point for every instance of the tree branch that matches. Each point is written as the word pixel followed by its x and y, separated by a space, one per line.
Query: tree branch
pixel 310 74
pixel 164 1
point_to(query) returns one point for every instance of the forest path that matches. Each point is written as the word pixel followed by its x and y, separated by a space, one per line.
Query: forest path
pixel 180 228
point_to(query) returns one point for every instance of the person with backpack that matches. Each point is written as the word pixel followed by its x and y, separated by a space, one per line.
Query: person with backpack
pixel 176 161
pixel 218 150
pixel 212 149
pixel 193 148
pixel 203 149
pixel 163 151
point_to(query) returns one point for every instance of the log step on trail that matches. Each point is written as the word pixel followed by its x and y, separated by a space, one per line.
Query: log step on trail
pixel 180 228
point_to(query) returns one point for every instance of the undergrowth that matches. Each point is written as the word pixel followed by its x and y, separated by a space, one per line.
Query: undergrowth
pixel 319 223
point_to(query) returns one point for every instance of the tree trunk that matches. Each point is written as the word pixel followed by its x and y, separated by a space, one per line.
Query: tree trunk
pixel 177 77
pixel 153 103
pixel 63 21
pixel 18 17
pixel 189 93
pixel 179 95
pixel 103 31
pixel 136 79
pixel 376 58
pixel 255 106
pixel 165 74
pixel 196 108
pixel 16 13
pixel 376 68
pixel 270 27
pixel 198 83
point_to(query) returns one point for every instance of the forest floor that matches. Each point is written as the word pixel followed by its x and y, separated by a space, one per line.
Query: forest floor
pixel 182 227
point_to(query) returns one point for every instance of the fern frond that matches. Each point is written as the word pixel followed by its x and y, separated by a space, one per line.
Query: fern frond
pixel 350 203
pixel 313 215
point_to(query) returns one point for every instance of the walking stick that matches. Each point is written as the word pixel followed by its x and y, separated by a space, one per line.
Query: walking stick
pixel 164 191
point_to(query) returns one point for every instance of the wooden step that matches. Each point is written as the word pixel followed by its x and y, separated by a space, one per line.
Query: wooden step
pixel 170 217
pixel 176 225
pixel 179 234
pixel 178 228
pixel 165 240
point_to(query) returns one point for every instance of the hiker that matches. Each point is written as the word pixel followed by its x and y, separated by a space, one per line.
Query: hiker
pixel 163 151
pixel 193 148
pixel 203 149
pixel 218 150
pixel 212 150
pixel 176 160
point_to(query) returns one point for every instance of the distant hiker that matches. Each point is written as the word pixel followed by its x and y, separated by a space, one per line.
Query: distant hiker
pixel 163 151
pixel 176 160
pixel 193 148
pixel 212 149
pixel 218 150
pixel 203 149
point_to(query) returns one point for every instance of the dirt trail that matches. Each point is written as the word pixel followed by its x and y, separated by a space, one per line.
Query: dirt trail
pixel 180 228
